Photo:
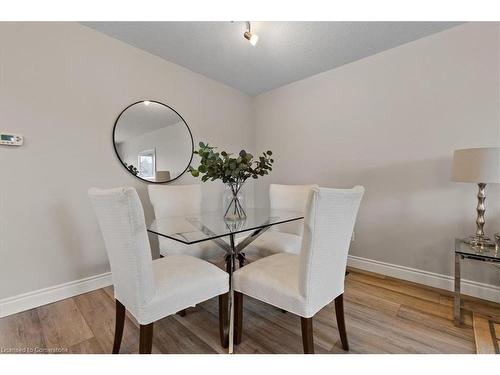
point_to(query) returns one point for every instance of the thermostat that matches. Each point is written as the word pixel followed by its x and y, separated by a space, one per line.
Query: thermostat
pixel 11 139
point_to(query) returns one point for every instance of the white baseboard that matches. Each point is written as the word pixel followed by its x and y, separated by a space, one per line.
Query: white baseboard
pixel 30 300
pixel 436 280
pixel 26 301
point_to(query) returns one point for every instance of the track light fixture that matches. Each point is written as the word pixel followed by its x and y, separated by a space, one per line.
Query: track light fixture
pixel 252 38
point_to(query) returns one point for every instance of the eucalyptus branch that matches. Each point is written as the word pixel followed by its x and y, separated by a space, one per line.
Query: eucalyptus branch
pixel 234 170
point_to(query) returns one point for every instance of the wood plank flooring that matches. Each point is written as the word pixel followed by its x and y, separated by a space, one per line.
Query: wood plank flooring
pixel 486 334
pixel 383 315
pixel 482 334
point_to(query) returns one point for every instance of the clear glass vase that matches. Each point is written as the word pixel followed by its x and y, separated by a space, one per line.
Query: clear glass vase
pixel 233 202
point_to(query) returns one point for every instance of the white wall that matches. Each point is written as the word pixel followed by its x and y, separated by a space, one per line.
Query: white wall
pixel 391 122
pixel 62 85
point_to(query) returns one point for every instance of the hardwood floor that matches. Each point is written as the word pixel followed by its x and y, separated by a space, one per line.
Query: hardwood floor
pixel 382 315
pixel 486 334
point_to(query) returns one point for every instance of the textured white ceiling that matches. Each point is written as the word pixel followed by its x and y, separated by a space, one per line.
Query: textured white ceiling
pixel 286 51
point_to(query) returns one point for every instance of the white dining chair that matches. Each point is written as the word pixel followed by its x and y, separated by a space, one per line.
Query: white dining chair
pixel 287 237
pixel 306 282
pixel 149 289
pixel 181 200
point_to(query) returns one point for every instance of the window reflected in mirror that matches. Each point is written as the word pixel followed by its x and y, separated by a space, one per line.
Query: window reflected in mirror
pixel 146 162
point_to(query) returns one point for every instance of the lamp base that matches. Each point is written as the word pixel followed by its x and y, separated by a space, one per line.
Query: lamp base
pixel 479 242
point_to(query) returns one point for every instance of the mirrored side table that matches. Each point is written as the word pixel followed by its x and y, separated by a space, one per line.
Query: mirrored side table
pixel 463 250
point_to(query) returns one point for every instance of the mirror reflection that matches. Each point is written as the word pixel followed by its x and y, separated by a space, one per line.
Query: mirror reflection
pixel 153 141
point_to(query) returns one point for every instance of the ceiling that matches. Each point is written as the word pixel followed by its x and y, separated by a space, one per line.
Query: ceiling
pixel 286 51
pixel 143 117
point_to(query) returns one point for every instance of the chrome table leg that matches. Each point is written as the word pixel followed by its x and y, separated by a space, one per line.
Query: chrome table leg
pixel 231 293
pixel 233 252
pixel 457 311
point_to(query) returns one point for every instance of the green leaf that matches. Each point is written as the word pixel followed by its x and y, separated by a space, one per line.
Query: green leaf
pixel 221 166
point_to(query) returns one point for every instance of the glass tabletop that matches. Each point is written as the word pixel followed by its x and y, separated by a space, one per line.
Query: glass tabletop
pixel 466 249
pixel 211 225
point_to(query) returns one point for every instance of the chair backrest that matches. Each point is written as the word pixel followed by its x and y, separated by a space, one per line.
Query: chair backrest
pixel 291 198
pixel 121 219
pixel 175 200
pixel 328 225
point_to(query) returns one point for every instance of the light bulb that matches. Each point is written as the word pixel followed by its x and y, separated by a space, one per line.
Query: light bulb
pixel 254 39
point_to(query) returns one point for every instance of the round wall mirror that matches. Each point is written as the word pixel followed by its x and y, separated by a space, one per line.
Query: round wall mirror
pixel 153 142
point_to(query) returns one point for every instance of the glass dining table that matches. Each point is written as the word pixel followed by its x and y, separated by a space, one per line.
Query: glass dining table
pixel 230 235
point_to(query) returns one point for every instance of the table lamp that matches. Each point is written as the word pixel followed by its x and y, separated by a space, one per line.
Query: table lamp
pixel 481 166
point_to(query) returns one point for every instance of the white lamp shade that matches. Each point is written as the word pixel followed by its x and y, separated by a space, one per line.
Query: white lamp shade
pixel 479 165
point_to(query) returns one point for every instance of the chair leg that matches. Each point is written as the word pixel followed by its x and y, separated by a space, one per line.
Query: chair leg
pixel 223 319
pixel 182 312
pixel 242 259
pixel 339 312
pixel 307 335
pixel 238 317
pixel 146 338
pixel 119 324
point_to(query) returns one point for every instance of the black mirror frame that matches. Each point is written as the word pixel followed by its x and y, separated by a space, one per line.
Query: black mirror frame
pixel 121 161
